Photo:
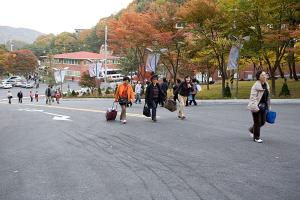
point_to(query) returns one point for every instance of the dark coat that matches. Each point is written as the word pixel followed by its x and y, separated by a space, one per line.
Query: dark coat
pixel 20 95
pixel 183 89
pixel 164 88
pixel 149 95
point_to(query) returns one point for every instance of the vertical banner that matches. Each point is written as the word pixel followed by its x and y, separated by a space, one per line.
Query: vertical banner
pixel 92 71
pixel 152 61
pixel 98 69
pixel 233 58
pixel 59 76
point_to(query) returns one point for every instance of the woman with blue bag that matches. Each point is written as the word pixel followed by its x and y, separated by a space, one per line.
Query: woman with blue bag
pixel 259 104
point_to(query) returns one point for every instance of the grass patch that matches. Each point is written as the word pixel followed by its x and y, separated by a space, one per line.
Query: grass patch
pixel 214 91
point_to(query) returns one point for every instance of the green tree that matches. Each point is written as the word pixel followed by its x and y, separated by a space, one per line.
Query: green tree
pixel 87 81
pixel 209 26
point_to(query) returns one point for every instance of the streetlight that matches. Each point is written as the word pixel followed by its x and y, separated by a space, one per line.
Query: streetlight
pixel 61 77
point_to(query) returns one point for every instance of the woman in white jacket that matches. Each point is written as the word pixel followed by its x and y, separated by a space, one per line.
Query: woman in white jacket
pixel 259 104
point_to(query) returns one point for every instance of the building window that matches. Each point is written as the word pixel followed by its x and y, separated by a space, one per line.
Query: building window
pixel 73 73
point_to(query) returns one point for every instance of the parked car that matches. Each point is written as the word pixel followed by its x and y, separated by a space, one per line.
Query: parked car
pixel 7 85
pixel 30 85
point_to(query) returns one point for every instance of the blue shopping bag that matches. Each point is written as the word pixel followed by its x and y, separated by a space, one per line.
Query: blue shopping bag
pixel 271 116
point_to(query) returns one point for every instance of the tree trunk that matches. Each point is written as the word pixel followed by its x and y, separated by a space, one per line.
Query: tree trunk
pixel 290 65
pixel 207 82
pixel 223 86
pixel 254 71
pixel 273 87
pixel 280 71
pixel 294 68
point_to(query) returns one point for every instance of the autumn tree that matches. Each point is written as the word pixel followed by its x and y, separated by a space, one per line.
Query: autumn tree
pixel 3 60
pixel 66 42
pixel 208 24
pixel 267 22
pixel 21 62
pixel 132 32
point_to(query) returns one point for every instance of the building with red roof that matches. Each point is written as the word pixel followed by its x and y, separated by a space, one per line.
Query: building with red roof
pixel 79 62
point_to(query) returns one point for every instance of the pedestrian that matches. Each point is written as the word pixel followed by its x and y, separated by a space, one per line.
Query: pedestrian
pixel 31 96
pixel 178 81
pixel 48 95
pixel 52 94
pixel 20 96
pixel 124 95
pixel 36 96
pixel 259 104
pixel 9 96
pixel 153 96
pixel 138 92
pixel 57 95
pixel 194 92
pixel 164 88
pixel 183 91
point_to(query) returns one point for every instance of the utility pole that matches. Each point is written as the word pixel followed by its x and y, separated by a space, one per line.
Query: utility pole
pixel 105 61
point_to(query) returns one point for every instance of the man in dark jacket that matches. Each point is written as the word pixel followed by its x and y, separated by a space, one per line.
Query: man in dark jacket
pixel 48 95
pixel 164 88
pixel 183 91
pixel 153 96
pixel 20 96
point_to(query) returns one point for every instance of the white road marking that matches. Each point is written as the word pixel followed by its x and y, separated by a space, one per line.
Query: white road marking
pixel 57 117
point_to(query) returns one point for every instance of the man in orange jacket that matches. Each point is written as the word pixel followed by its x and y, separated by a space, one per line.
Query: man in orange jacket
pixel 124 95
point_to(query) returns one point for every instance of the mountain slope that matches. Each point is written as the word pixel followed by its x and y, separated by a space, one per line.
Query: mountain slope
pixel 21 34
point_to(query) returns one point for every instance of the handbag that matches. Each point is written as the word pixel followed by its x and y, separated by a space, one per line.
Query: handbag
pixel 271 116
pixel 146 111
pixel 170 104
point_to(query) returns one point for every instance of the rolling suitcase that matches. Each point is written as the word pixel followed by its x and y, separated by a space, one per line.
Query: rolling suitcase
pixel 111 113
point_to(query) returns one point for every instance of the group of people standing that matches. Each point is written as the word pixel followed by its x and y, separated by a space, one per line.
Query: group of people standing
pixel 155 94
pixel 50 94
pixel 20 96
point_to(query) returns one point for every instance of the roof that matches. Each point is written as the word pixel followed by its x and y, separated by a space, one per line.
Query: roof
pixel 82 55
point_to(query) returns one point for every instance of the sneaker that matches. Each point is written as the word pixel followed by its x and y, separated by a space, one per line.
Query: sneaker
pixel 124 121
pixel 154 120
pixel 183 117
pixel 179 117
pixel 258 140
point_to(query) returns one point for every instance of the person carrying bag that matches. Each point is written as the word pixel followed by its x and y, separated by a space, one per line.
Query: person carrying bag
pixel 124 95
pixel 259 104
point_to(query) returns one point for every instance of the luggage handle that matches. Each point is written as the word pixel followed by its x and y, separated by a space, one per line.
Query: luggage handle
pixel 114 105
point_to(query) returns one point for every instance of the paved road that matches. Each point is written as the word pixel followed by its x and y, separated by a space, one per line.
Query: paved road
pixel 208 156
pixel 41 90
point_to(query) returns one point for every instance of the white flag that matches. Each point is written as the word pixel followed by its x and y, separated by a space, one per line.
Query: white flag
pixel 152 61
pixel 233 58
pixel 92 71
pixel 98 69
pixel 59 76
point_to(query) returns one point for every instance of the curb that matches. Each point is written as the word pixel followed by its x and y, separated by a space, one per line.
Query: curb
pixel 216 101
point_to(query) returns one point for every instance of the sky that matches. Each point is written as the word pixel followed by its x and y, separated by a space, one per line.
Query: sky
pixel 56 16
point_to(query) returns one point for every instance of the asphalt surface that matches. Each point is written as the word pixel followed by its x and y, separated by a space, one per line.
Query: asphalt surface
pixel 41 89
pixel 69 151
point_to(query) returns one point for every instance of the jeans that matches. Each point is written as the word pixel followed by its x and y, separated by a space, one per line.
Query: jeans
pixel 259 119
pixel 154 107
pixel 138 98
pixel 193 100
